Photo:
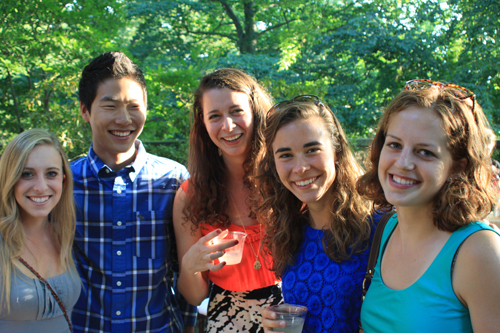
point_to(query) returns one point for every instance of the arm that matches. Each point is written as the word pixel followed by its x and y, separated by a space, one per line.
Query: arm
pixel 196 256
pixel 475 279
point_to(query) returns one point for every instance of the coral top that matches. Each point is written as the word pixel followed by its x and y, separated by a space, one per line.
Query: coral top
pixel 243 276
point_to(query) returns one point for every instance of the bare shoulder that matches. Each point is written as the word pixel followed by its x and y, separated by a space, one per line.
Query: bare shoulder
pixel 475 279
pixel 481 247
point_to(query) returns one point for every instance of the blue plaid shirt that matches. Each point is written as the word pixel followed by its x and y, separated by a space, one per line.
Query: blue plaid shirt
pixel 125 248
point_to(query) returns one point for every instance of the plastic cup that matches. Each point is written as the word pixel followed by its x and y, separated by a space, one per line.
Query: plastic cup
pixel 293 315
pixel 233 254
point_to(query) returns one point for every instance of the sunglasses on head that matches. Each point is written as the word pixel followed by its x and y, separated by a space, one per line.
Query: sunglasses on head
pixel 458 91
pixel 301 98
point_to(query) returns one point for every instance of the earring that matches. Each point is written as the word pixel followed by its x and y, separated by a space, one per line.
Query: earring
pixel 220 151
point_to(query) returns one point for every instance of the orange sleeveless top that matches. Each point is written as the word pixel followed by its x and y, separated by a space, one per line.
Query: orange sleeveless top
pixel 243 276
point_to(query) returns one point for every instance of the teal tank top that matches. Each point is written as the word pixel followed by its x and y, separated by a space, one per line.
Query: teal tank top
pixel 430 304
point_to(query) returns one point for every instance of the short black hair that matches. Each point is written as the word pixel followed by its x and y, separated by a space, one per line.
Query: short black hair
pixel 108 65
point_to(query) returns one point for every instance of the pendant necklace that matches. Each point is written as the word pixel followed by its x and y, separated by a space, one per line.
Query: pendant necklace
pixel 257 265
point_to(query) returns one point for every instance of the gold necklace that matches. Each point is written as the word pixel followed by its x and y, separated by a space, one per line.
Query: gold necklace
pixel 257 265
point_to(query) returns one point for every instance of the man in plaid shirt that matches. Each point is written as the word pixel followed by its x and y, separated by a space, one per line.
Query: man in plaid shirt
pixel 124 242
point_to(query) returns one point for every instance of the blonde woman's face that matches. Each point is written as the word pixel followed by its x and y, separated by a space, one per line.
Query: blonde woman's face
pixel 41 184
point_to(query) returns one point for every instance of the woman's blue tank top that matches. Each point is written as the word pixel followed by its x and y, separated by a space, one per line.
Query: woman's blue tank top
pixel 430 304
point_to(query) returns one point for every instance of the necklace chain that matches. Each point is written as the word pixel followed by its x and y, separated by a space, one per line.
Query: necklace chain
pixel 257 265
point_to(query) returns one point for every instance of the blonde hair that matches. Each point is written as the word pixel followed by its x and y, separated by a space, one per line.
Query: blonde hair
pixel 61 218
pixel 349 229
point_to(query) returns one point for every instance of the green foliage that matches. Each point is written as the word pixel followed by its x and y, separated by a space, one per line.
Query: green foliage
pixel 45 47
pixel 355 55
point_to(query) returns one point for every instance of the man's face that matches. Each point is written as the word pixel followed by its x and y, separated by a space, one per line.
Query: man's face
pixel 117 117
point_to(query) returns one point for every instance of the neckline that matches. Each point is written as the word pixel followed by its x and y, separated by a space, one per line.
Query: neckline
pixel 438 256
pixel 35 278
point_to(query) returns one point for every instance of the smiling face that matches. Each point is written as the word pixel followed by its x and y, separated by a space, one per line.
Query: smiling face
pixel 117 117
pixel 414 162
pixel 41 184
pixel 305 159
pixel 228 118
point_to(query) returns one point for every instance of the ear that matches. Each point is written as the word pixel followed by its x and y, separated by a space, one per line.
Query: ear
pixel 84 112
pixel 64 181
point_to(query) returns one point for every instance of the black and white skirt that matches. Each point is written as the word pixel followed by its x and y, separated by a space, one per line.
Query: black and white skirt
pixel 239 311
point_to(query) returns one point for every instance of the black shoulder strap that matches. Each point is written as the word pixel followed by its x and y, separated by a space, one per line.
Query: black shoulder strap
pixel 372 259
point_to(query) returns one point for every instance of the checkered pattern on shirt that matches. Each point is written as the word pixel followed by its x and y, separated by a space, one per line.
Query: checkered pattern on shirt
pixel 125 246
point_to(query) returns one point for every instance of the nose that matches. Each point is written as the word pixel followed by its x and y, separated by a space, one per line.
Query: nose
pixel 228 124
pixel 123 117
pixel 405 160
pixel 301 164
pixel 40 184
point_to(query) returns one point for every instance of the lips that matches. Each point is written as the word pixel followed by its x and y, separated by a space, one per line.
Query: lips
pixel 305 182
pixel 403 181
pixel 121 133
pixel 39 199
pixel 233 138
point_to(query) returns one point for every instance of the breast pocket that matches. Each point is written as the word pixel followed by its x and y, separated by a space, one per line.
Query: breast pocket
pixel 150 234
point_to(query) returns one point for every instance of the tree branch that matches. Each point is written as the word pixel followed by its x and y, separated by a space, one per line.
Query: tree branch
pixel 276 26
pixel 233 17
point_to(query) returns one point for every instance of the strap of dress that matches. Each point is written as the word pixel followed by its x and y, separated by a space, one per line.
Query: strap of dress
pixel 42 280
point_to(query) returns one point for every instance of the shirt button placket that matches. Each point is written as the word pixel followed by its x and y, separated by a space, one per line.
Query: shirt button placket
pixel 121 208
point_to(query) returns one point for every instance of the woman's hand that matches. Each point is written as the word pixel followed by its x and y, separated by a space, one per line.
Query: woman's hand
pixel 269 320
pixel 200 257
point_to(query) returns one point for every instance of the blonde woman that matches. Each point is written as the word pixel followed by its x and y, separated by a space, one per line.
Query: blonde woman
pixel 38 281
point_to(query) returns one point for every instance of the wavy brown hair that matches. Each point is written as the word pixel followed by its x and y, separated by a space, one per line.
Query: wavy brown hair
pixel 349 229
pixel 62 217
pixel 463 198
pixel 207 200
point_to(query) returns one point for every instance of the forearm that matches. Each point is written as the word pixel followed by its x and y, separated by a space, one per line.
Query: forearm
pixel 194 287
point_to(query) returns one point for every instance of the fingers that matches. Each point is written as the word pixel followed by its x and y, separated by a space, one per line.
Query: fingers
pixel 269 320
pixel 215 255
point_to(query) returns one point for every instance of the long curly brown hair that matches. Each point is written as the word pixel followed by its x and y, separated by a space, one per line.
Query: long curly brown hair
pixel 462 199
pixel 207 200
pixel 349 229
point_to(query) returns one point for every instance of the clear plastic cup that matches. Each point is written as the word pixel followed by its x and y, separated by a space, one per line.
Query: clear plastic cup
pixel 293 315
pixel 233 254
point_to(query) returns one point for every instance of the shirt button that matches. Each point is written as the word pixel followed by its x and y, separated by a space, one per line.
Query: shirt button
pixel 119 283
pixel 118 313
pixel 119 253
pixel 119 223
pixel 118 191
pixel 107 170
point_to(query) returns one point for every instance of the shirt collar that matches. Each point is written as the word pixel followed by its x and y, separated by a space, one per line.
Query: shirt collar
pixel 101 170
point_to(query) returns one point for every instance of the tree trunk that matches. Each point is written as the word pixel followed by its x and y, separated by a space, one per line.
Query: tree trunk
pixel 249 39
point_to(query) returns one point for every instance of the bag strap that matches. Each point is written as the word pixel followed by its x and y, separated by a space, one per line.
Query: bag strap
pixel 42 280
pixel 372 259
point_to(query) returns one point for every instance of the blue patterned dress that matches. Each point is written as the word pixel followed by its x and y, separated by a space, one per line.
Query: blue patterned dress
pixel 331 291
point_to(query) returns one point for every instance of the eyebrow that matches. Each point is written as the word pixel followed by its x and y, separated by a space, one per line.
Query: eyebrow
pixel 306 145
pixel 114 99
pixel 49 168
pixel 230 107
pixel 418 144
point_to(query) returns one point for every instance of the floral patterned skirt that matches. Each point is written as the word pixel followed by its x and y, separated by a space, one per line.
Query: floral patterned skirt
pixel 239 311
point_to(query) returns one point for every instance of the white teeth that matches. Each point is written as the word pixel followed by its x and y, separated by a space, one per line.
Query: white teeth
pixel 120 133
pixel 234 137
pixel 39 199
pixel 403 181
pixel 306 182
